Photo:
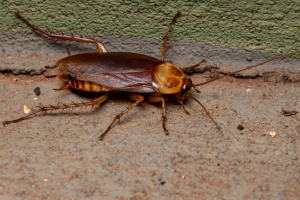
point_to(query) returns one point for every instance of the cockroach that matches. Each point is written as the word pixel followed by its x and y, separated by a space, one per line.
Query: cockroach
pixel 137 74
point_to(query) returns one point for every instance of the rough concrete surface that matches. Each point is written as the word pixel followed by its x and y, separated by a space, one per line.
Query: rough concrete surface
pixel 58 155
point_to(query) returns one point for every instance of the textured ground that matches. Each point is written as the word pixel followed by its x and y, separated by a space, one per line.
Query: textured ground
pixel 58 156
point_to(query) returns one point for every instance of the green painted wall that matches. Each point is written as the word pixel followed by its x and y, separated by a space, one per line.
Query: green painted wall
pixel 267 25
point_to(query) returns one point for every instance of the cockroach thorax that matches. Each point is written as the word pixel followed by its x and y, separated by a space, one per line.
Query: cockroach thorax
pixel 168 78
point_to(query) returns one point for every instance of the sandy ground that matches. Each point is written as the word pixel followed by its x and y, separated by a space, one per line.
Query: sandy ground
pixel 58 155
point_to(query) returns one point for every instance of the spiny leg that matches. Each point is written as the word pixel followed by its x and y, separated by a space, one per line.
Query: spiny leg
pixel 157 99
pixel 100 45
pixel 44 109
pixel 163 53
pixel 138 99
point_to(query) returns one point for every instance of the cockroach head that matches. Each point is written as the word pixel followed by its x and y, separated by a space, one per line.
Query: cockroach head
pixel 185 91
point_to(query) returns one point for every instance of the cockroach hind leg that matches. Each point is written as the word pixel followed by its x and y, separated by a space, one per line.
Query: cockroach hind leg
pixel 102 136
pixel 44 109
pixel 4 123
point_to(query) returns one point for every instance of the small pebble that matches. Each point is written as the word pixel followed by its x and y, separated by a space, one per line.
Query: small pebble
pixel 240 127
pixel 37 91
pixel 163 182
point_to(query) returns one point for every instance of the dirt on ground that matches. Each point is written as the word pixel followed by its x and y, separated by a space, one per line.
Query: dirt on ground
pixel 59 156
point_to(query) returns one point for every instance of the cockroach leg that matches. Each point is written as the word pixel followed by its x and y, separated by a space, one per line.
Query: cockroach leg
pixel 157 99
pixel 191 67
pixel 43 109
pixel 100 46
pixel 185 109
pixel 163 53
pixel 138 99
pixel 198 91
pixel 218 127
pixel 69 54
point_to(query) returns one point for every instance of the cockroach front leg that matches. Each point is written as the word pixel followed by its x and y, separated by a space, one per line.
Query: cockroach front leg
pixel 138 99
pixel 218 127
pixel 100 45
pixel 44 109
pixel 157 99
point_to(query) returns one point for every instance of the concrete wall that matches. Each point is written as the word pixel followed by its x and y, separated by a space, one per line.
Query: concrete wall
pixel 265 25
pixel 230 35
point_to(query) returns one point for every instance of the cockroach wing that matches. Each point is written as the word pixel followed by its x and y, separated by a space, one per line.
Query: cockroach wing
pixel 121 71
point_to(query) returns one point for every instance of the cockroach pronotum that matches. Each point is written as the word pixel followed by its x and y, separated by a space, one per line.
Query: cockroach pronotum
pixel 120 71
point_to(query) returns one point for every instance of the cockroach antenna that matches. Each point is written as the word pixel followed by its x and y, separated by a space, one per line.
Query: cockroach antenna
pixel 246 68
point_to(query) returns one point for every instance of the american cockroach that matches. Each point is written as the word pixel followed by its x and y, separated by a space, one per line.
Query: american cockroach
pixel 137 74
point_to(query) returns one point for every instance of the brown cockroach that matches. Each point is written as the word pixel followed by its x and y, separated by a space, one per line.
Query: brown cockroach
pixel 120 71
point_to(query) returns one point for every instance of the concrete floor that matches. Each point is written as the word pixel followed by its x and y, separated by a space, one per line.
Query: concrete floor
pixel 58 156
